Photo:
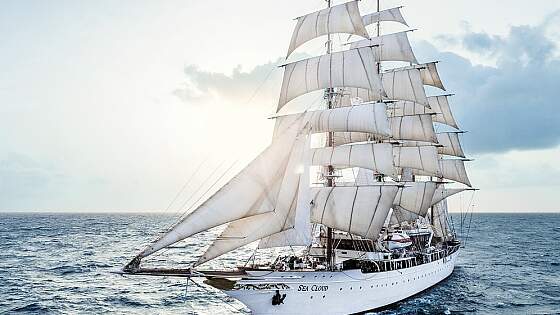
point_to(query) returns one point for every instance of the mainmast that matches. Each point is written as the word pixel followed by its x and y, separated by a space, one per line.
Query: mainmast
pixel 330 171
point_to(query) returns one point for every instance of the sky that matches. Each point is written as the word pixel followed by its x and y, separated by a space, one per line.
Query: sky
pixel 118 105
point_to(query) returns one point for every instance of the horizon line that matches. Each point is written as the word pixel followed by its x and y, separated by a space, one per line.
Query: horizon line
pixel 181 213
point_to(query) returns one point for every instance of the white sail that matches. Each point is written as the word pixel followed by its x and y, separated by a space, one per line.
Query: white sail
pixel 342 18
pixel 420 158
pixel 452 169
pixel 411 127
pixel 450 144
pixel 428 73
pixel 368 118
pixel 440 105
pixel 404 85
pixel 416 197
pixel 442 193
pixel 300 234
pixel 440 220
pixel 393 15
pixel 390 47
pixel 354 96
pixel 413 201
pixel 358 210
pixel 401 85
pixel 340 138
pixel 365 177
pixel 243 232
pixel 253 191
pixel 349 68
pixel 375 156
pixel 283 217
pixel 415 128
pixel 407 108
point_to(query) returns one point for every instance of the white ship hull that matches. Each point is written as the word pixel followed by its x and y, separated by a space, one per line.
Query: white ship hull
pixel 341 292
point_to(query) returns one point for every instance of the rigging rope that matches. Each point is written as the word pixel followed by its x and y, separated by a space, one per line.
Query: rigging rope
pixel 187 182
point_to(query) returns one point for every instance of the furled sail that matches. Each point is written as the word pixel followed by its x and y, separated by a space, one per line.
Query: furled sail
pixel 440 105
pixel 391 47
pixel 428 73
pixel 423 158
pixel 342 18
pixel 393 15
pixel 442 193
pixel 415 128
pixel 369 118
pixel 450 144
pixel 374 156
pixel 284 216
pixel 452 169
pixel 349 68
pixel 251 192
pixel 359 210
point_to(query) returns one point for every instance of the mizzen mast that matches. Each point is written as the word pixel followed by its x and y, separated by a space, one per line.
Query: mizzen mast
pixel 329 92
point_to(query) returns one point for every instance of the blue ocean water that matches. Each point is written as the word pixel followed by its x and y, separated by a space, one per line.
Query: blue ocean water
pixel 62 263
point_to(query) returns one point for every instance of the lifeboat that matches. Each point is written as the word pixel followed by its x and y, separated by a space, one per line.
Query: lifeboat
pixel 398 240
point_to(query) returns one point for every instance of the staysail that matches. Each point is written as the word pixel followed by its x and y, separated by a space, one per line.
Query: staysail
pixel 283 217
pixel 251 192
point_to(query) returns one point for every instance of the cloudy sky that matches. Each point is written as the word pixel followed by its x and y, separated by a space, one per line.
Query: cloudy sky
pixel 115 105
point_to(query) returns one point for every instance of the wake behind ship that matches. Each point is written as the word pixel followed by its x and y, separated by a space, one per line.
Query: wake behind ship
pixel 358 186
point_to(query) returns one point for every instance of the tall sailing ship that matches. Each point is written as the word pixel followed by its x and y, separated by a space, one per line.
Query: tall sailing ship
pixel 365 241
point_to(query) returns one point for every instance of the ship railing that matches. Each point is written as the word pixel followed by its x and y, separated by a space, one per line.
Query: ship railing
pixel 389 264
